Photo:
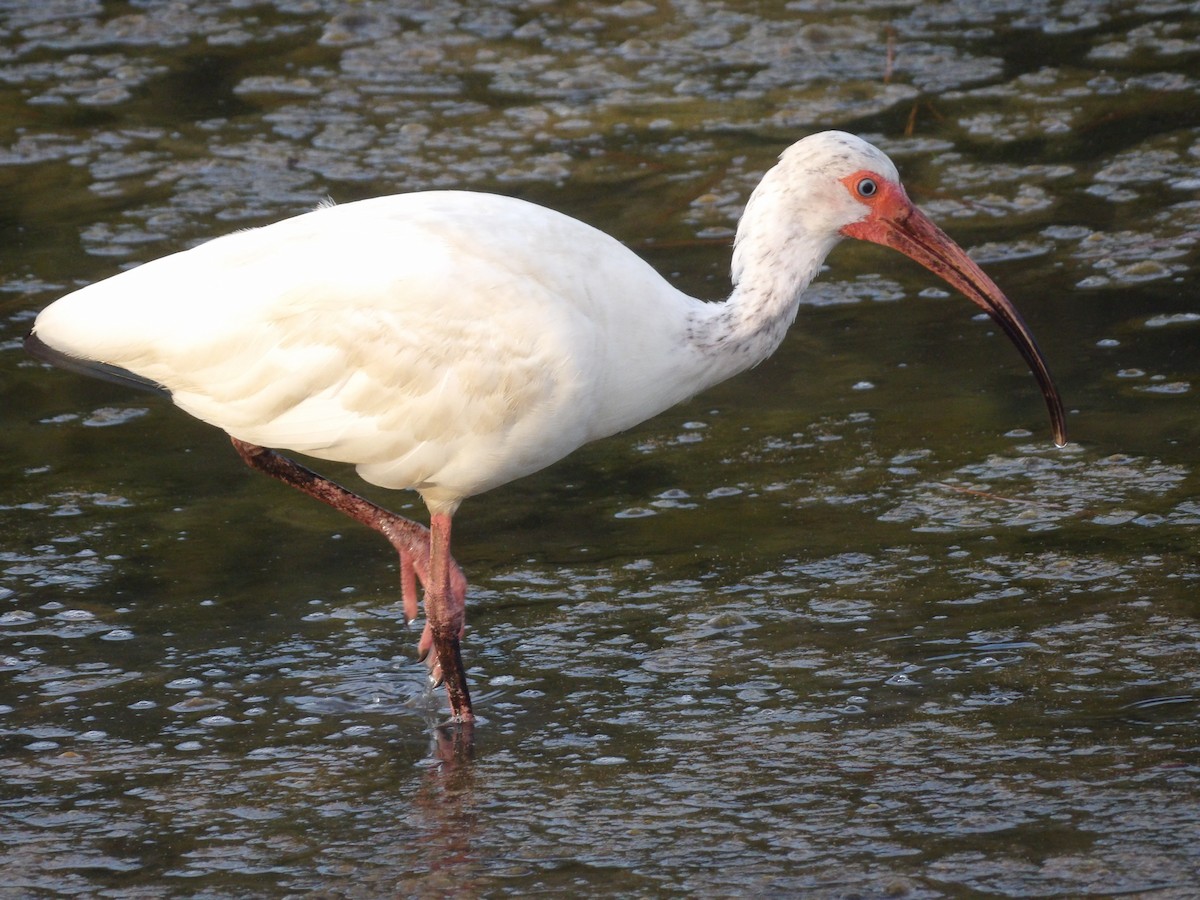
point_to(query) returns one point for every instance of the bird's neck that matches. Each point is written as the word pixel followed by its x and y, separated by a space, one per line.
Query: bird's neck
pixel 772 266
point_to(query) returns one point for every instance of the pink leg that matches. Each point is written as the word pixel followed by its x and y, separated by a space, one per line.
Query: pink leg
pixel 408 590
pixel 445 615
pixel 423 554
pixel 408 587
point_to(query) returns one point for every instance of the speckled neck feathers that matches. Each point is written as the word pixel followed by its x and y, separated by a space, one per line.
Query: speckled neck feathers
pixel 791 223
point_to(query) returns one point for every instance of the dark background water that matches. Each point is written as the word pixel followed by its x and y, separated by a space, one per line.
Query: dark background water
pixel 845 625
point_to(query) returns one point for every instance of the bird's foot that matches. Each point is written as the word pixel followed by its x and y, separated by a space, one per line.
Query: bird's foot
pixel 410 576
pixel 454 610
pixel 425 646
pixel 408 586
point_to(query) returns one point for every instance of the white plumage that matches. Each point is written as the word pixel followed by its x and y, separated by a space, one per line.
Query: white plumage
pixel 360 333
pixel 449 342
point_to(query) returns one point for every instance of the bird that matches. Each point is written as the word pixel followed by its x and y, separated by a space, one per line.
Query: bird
pixel 448 342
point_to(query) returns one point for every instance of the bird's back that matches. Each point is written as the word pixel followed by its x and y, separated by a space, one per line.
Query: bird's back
pixel 443 341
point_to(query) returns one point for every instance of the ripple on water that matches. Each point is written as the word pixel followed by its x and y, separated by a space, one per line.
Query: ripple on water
pixel 384 102
pixel 990 709
pixel 1035 489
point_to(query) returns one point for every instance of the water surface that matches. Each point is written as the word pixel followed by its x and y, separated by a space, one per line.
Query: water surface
pixel 848 625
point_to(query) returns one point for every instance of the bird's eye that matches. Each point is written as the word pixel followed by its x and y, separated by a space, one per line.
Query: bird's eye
pixel 867 187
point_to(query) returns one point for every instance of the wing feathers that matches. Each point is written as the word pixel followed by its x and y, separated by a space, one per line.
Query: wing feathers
pixel 42 351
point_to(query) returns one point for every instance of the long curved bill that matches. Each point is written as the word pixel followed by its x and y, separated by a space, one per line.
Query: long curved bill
pixel 900 225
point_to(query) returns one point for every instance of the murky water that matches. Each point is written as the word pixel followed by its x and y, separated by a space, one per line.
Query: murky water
pixel 848 625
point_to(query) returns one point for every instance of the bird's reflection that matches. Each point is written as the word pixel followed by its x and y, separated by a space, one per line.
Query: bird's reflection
pixel 445 803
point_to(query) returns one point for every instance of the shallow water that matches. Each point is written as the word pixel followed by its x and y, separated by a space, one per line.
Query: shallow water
pixel 848 625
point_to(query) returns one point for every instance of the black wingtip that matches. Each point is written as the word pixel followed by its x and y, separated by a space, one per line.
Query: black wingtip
pixel 40 350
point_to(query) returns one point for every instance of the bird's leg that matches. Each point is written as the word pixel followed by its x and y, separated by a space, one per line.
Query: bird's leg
pixel 408 537
pixel 445 616
pixel 444 606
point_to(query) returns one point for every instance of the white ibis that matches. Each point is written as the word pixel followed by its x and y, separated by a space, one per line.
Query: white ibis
pixel 448 342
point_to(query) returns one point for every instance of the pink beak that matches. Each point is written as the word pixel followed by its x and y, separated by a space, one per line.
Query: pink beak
pixel 895 222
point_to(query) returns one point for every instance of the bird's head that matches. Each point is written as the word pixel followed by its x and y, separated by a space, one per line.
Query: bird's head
pixel 834 185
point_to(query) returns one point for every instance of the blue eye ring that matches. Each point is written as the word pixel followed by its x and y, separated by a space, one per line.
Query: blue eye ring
pixel 867 187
